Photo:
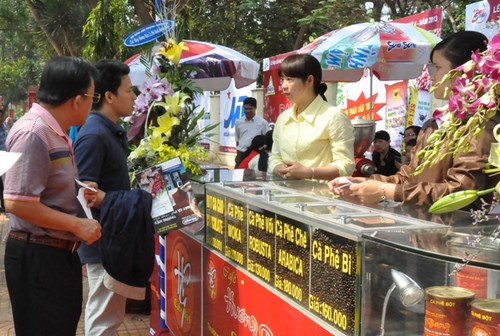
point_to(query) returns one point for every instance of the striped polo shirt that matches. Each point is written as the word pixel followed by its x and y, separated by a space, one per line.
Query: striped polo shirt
pixel 45 172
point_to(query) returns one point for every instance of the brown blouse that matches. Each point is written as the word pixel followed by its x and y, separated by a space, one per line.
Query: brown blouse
pixel 463 172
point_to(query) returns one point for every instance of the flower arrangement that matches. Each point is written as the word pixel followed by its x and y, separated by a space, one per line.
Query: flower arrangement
pixel 165 113
pixel 474 100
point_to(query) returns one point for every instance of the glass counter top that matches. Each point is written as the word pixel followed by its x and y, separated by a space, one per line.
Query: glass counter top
pixel 478 244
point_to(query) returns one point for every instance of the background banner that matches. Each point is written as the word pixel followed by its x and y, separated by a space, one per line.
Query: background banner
pixel 231 109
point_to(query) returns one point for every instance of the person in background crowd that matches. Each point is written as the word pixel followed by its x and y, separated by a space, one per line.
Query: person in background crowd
pixel 409 136
pixel 410 133
pixel 247 128
pixel 8 123
pixel 3 130
pixel 387 160
pixel 463 172
pixel 408 150
pixel 101 152
pixel 73 131
pixel 260 162
pixel 42 269
pixel 312 139
pixel 257 145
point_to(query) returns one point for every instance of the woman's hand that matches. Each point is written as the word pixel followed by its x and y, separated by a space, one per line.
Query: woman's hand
pixel 340 185
pixel 372 191
pixel 294 170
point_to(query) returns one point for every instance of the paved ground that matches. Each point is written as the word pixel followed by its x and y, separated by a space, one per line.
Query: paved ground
pixel 134 324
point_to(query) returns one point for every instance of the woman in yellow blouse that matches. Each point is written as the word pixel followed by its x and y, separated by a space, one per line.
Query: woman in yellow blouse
pixel 312 139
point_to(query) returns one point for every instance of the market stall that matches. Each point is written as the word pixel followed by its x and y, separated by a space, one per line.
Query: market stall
pixel 286 258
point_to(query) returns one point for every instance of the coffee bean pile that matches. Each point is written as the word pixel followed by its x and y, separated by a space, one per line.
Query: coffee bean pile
pixel 331 285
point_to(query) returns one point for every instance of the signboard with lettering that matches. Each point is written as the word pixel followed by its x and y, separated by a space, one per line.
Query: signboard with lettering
pixel 429 20
pixel 231 109
pixel 236 304
pixel 148 33
pixel 336 259
pixel 482 16
pixel 236 232
pixel 183 284
pixel 261 242
pixel 315 270
pixel 169 185
pixel 292 259
pixel 214 221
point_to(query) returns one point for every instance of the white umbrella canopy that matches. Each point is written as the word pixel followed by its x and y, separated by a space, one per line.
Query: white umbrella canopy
pixel 220 65
pixel 392 51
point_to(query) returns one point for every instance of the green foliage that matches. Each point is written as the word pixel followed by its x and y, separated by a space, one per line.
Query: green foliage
pixel 257 28
pixel 62 20
pixel 108 24
pixel 334 14
pixel 21 60
pixel 16 76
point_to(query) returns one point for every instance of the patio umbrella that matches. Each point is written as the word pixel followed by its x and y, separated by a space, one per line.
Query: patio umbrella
pixel 392 51
pixel 219 64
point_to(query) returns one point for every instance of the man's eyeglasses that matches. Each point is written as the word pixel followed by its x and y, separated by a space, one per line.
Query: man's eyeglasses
pixel 96 97
pixel 409 135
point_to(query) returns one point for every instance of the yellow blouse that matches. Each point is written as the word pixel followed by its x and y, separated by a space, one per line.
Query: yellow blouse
pixel 319 136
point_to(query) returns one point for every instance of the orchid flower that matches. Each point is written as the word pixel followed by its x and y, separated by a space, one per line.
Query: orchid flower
pixel 474 97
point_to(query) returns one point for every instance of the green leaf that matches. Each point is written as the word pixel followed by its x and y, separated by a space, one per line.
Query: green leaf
pixel 457 200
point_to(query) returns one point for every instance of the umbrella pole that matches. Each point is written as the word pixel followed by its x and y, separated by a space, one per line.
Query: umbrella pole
pixel 371 94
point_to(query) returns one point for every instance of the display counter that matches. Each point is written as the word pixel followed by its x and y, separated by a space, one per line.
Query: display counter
pixel 280 257
pixel 453 258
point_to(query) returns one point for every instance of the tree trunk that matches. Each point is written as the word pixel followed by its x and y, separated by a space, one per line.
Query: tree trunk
pixel 451 18
pixel 300 37
pixel 71 47
pixel 142 11
pixel 37 17
pixel 181 5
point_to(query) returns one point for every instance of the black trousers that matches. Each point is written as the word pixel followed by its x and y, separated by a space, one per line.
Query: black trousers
pixel 45 289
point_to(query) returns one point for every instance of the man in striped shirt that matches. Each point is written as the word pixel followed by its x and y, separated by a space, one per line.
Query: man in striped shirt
pixel 42 268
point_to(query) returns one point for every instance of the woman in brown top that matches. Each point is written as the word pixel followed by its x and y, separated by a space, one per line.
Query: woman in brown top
pixel 463 172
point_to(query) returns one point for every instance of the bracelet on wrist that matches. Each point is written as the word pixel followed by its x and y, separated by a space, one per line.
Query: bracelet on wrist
pixel 312 173
pixel 384 198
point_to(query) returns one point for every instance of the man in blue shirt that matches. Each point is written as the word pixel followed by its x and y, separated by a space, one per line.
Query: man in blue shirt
pixel 101 151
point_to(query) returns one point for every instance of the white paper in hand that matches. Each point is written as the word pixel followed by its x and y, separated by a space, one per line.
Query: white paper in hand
pixel 83 203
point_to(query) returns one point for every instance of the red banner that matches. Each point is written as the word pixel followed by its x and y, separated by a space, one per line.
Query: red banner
pixel 183 284
pixel 275 101
pixel 428 20
pixel 236 304
pixel 361 108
